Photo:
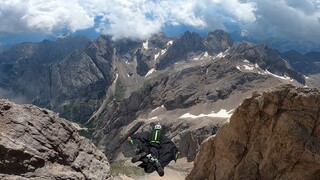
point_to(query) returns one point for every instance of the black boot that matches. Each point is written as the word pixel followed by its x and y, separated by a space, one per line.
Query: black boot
pixel 137 157
pixel 159 169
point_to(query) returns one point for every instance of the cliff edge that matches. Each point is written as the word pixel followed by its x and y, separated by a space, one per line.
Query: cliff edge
pixel 273 135
pixel 36 144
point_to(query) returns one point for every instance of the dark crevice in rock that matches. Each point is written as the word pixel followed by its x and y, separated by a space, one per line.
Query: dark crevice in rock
pixel 5 107
pixel 18 162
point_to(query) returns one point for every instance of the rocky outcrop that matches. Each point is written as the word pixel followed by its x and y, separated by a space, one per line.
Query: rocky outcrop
pixel 274 135
pixel 36 144
pixel 266 58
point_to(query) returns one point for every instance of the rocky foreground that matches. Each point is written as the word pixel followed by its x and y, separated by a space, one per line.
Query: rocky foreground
pixel 273 135
pixel 36 144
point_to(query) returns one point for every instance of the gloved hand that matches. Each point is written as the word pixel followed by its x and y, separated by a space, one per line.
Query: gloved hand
pixel 130 140
pixel 177 156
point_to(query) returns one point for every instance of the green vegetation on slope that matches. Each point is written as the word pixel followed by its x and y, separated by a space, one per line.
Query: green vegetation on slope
pixel 120 167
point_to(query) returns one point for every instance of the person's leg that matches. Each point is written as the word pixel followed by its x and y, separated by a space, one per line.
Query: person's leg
pixel 137 157
pixel 154 152
pixel 154 158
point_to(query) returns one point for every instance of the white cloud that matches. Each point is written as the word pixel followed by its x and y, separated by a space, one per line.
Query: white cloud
pixel 138 19
pixel 287 19
pixel 128 19
pixel 43 16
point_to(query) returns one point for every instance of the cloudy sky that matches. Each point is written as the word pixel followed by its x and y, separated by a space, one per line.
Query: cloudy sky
pixel 138 19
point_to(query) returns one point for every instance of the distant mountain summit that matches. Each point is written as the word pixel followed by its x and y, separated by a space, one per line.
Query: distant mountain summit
pixel 308 63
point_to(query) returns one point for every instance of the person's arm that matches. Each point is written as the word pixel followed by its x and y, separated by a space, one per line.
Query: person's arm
pixel 139 140
pixel 142 136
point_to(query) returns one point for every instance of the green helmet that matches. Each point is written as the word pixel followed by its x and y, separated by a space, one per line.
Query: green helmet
pixel 156 134
pixel 158 126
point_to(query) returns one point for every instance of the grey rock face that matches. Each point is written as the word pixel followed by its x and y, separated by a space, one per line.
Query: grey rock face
pixel 147 58
pixel 273 135
pixel 25 59
pixel 266 58
pixel 60 75
pixel 36 144
pixel 73 76
pixel 187 43
pixel 217 41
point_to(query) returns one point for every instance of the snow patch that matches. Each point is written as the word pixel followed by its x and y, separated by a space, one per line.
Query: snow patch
pixel 156 56
pixel 196 58
pixel 246 67
pixel 150 72
pixel 161 107
pixel 246 61
pixel 280 77
pixel 163 51
pixel 249 68
pixel 155 109
pixel 169 43
pixel 153 118
pixel 221 114
pixel 146 44
pixel 220 55
pixel 117 75
pixel 206 54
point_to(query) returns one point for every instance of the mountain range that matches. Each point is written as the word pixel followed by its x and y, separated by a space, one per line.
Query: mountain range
pixel 191 84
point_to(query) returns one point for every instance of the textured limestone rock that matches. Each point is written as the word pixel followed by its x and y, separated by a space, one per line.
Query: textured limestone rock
pixel 274 135
pixel 36 144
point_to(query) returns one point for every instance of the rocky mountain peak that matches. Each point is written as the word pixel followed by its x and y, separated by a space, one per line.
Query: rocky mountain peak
pixel 36 144
pixel 218 41
pixel 265 58
pixel 272 135
pixel 189 41
pixel 159 40
pixel 307 64
pixel 180 49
